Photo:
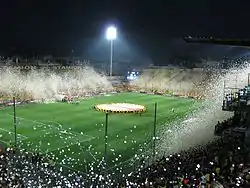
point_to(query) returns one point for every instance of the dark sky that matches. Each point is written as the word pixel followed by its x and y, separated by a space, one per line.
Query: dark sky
pixel 57 26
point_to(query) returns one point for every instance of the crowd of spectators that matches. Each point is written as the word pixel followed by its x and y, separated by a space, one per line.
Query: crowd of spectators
pixel 21 169
pixel 223 162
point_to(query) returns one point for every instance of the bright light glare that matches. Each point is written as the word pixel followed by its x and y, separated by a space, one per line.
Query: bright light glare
pixel 111 33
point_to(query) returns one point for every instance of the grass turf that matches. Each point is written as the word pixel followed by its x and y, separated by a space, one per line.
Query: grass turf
pixel 74 134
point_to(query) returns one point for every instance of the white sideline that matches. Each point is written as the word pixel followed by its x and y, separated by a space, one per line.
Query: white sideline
pixel 5 130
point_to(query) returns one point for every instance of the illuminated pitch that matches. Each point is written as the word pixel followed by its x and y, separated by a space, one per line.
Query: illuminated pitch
pixel 120 108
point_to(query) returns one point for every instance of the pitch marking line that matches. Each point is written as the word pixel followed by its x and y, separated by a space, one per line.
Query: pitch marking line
pixel 22 136
pixel 67 131
pixel 59 148
pixel 41 123
pixel 90 137
pixel 5 142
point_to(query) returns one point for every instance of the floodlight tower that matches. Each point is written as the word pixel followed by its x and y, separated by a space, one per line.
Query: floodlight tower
pixel 111 35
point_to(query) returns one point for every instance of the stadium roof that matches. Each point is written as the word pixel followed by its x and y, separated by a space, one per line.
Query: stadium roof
pixel 219 41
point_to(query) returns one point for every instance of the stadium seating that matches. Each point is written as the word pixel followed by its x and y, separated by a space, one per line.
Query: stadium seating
pixel 223 162
pixel 186 81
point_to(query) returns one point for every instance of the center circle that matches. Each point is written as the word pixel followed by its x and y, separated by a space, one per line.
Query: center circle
pixel 120 108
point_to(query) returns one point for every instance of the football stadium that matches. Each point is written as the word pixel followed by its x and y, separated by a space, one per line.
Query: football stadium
pixel 93 125
pixel 80 128
pixel 101 95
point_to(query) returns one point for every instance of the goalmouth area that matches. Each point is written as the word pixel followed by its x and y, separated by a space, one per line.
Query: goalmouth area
pixel 73 134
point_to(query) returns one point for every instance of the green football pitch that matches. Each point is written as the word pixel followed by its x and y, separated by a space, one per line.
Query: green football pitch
pixel 73 134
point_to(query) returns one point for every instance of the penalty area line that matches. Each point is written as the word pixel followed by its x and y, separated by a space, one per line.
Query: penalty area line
pixel 44 124
pixel 67 131
pixel 22 136
pixel 5 142
pixel 59 148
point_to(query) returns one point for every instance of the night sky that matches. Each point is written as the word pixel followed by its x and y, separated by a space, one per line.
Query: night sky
pixel 151 27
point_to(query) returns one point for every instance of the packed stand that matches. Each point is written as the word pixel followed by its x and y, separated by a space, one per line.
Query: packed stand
pixel 22 169
pixel 221 162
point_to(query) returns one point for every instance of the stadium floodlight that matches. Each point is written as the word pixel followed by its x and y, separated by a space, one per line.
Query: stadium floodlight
pixel 111 35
